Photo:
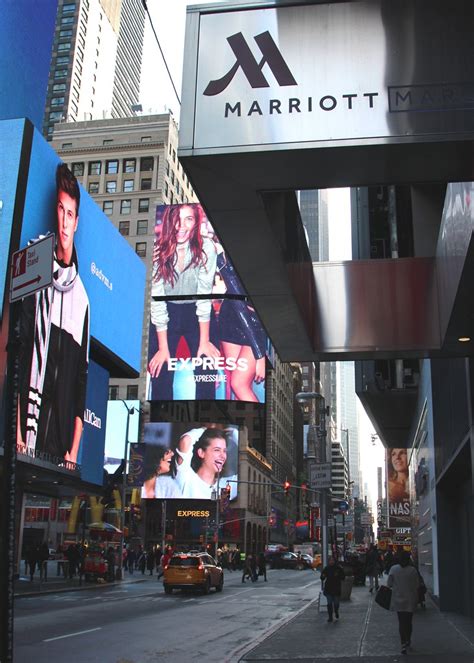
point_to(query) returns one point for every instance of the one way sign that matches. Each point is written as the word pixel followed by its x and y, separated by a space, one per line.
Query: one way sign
pixel 32 268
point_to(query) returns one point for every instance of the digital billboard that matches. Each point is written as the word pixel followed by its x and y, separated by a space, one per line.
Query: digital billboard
pixel 117 414
pixel 398 488
pixel 186 461
pixel 200 348
pixel 93 309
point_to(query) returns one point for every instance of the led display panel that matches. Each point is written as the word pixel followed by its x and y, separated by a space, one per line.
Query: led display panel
pixel 398 488
pixel 186 461
pixel 206 341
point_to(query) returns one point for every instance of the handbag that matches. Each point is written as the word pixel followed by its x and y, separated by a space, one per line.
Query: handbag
pixel 383 597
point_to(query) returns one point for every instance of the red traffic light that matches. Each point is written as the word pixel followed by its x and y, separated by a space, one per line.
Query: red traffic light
pixel 286 487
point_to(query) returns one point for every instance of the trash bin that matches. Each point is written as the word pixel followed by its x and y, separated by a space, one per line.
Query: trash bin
pixel 346 588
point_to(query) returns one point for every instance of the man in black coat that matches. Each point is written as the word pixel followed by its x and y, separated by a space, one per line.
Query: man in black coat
pixel 332 575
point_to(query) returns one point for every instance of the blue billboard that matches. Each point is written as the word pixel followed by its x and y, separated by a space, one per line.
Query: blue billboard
pixel 112 274
pixel 91 450
pixel 26 41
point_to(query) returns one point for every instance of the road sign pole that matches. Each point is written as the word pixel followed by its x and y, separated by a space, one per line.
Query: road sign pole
pixel 9 488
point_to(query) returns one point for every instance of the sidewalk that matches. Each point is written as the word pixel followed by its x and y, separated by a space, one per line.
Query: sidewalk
pixel 366 631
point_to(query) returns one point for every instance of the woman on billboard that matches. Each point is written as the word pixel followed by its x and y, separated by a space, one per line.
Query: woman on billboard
pixel 184 263
pixel 241 335
pixel 160 472
pixel 398 475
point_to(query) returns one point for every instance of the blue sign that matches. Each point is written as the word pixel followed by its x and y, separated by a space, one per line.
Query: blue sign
pixel 91 450
pixel 343 506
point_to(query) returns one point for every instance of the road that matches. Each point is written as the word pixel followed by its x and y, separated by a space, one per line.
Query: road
pixel 138 623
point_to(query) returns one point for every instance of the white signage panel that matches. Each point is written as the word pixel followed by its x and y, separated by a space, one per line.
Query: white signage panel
pixel 320 475
pixel 32 268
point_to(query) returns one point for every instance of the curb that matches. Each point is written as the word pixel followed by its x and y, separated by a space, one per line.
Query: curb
pixel 64 590
pixel 237 654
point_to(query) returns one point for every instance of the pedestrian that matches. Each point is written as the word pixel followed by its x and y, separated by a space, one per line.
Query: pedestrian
pixel 141 561
pixel 254 568
pixel 43 561
pixel 247 572
pixel 165 561
pixel 110 557
pixel 236 559
pixel 150 561
pixel 404 581
pixel 32 558
pixel 332 575
pixel 372 567
pixel 388 561
pixel 158 556
pixel 262 565
pixel 131 557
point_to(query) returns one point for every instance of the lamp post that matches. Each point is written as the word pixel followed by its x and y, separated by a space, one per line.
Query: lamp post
pixel 218 510
pixel 130 412
pixel 300 398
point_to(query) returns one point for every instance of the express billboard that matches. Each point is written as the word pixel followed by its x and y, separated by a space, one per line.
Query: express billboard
pixel 93 310
pixel 186 461
pixel 398 488
pixel 200 348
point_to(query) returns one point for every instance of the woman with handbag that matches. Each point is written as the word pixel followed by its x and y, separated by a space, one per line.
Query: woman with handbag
pixel 404 581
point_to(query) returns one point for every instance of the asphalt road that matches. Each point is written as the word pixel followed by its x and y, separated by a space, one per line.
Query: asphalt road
pixel 138 623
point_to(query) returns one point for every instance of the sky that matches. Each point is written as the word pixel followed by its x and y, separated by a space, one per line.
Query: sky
pixel 157 96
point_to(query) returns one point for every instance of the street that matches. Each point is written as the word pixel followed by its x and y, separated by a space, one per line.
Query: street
pixel 137 622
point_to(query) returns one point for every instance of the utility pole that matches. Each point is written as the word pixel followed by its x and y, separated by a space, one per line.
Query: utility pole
pixel 130 412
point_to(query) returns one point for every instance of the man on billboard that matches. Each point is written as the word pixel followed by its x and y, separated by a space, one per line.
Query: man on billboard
pixel 398 488
pixel 54 337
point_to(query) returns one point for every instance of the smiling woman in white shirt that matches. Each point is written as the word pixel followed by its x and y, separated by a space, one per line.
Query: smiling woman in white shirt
pixel 200 461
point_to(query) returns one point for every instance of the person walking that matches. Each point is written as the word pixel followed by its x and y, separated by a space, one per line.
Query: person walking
pixel 332 575
pixel 32 558
pixel 43 561
pixel 372 567
pixel 404 581
pixel 262 565
pixel 110 558
pixel 247 572
pixel 150 561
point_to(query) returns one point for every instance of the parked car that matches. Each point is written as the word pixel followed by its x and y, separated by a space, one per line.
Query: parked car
pixel 193 571
pixel 287 560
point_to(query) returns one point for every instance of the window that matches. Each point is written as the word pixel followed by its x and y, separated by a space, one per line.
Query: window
pixel 81 41
pixel 78 168
pixel 113 392
pixel 144 205
pixel 62 59
pixel 67 20
pixel 107 141
pixel 64 46
pixel 57 101
pixel 140 249
pixel 166 188
pixel 124 227
pixel 128 185
pixel 60 73
pixel 167 167
pixel 65 146
pixel 74 107
pixel 94 167
pixel 142 227
pixel 132 392
pixel 111 167
pixel 59 87
pixel 146 183
pixel 146 164
pixel 146 139
pixel 69 7
pixel 111 186
pixel 93 187
pixel 125 206
pixel 55 115
pixel 64 34
pixel 80 54
pixel 172 177
pixel 129 165
pixel 108 207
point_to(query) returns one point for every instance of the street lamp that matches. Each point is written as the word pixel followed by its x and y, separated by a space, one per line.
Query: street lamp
pixel 301 397
pixel 216 496
pixel 130 412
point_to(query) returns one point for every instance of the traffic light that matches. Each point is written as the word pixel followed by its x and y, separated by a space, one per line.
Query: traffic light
pixel 286 487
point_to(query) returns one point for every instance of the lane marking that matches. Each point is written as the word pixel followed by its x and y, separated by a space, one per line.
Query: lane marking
pixel 72 635
pixel 366 626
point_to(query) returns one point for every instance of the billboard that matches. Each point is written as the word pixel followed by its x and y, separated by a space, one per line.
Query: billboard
pixel 398 488
pixel 93 309
pixel 200 348
pixel 186 461
pixel 117 414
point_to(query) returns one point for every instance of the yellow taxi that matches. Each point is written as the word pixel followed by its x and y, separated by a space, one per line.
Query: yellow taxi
pixel 192 571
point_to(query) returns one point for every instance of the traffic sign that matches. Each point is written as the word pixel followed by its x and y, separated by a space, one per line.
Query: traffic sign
pixel 320 475
pixel 32 268
pixel 343 506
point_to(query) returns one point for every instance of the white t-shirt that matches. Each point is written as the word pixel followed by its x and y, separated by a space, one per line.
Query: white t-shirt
pixel 165 487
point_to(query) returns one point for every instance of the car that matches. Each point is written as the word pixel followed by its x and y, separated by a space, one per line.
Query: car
pixel 193 571
pixel 286 560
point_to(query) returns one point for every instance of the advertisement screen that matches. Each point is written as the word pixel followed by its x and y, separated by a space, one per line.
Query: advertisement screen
pixel 95 301
pixel 116 431
pixel 186 461
pixel 91 448
pixel 398 488
pixel 200 348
